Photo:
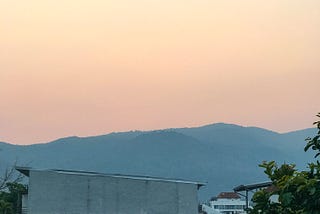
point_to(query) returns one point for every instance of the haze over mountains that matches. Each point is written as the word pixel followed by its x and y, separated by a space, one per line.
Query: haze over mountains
pixel 224 155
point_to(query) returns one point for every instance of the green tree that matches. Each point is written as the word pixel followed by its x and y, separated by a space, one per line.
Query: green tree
pixel 297 192
pixel 10 199
pixel 5 207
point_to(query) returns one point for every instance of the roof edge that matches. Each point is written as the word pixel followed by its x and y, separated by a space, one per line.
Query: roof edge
pixel 23 170
pixel 26 172
pixel 250 187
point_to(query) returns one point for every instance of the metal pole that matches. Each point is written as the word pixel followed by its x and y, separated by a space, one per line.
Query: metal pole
pixel 247 200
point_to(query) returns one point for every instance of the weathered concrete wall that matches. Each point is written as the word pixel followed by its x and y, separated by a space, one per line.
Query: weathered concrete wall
pixel 57 193
pixel 24 208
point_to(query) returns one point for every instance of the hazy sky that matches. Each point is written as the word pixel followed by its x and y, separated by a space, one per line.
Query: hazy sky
pixel 79 67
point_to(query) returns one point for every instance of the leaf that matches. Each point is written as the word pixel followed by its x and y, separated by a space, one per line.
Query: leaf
pixel 300 188
pixel 307 146
pixel 286 198
pixel 312 191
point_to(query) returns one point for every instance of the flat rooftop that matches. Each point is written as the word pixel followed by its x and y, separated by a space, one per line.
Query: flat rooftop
pixel 26 172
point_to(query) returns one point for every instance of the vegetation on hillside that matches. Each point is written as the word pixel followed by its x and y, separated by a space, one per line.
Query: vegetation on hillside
pixel 293 191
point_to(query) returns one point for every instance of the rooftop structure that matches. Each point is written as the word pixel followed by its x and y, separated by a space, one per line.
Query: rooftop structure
pixel 250 187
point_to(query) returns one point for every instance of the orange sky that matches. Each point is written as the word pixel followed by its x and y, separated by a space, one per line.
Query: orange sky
pixel 79 67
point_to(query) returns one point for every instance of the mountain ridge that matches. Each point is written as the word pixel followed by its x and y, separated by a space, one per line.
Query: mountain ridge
pixel 224 155
pixel 211 125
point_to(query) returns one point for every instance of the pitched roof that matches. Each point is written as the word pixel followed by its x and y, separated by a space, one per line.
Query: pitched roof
pixel 228 195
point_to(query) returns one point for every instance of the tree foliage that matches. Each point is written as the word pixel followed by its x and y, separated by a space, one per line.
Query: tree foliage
pixel 11 199
pixel 10 192
pixel 293 191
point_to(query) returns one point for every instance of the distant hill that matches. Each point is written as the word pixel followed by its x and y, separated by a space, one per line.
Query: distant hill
pixel 224 155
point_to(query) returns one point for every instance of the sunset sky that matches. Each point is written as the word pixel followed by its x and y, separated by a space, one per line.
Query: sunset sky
pixel 79 67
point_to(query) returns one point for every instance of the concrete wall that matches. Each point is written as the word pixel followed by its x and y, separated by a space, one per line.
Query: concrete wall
pixel 56 193
pixel 24 208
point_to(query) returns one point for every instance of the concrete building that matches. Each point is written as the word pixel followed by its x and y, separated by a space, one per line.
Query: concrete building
pixel 79 192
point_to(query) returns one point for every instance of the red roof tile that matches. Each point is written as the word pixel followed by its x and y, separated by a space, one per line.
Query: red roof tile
pixel 228 195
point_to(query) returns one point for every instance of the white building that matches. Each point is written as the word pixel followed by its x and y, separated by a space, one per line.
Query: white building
pixel 225 203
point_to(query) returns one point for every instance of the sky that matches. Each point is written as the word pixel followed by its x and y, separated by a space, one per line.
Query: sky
pixel 85 68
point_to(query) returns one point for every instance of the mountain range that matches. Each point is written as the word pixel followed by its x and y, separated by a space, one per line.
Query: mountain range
pixel 223 155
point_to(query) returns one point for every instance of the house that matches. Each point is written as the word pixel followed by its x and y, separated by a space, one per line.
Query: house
pixel 81 192
pixel 225 203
